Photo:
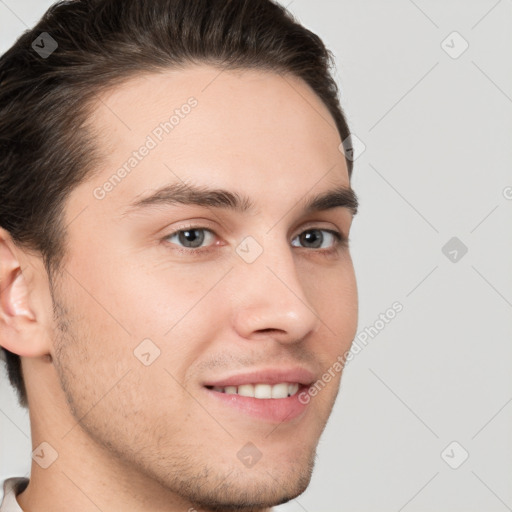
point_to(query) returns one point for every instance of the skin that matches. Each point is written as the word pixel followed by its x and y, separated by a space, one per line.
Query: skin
pixel 135 437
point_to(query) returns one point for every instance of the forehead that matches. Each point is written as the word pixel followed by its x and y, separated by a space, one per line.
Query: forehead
pixel 254 130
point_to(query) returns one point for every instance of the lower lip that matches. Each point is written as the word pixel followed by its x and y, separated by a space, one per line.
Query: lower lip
pixel 275 410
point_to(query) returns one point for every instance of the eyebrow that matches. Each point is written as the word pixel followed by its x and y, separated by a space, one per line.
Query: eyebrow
pixel 186 194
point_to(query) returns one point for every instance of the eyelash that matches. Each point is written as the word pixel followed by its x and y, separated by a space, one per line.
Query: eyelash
pixel 341 241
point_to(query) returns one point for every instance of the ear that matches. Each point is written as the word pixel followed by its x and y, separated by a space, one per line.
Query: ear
pixel 22 330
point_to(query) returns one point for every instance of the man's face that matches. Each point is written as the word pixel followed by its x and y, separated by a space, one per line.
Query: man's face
pixel 158 329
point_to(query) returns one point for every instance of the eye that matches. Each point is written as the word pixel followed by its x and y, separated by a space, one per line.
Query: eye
pixel 191 238
pixel 315 239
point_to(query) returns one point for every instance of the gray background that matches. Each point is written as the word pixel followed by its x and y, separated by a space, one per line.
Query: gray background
pixel 436 128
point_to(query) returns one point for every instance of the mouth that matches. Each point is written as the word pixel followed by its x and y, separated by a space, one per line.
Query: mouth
pixel 269 396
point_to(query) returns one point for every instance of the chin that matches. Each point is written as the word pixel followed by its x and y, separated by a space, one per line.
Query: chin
pixel 255 489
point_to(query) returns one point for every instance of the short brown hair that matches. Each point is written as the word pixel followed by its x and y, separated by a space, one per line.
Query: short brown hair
pixel 46 148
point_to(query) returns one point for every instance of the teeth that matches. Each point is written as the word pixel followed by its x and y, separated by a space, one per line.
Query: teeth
pixel 280 390
pixel 293 388
pixel 246 390
pixel 263 391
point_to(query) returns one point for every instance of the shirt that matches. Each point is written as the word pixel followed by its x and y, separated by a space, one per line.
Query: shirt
pixel 12 487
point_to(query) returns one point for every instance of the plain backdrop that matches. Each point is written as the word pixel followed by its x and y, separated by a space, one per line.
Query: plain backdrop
pixel 424 415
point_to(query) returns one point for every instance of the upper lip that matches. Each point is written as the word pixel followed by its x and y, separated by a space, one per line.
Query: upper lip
pixel 271 376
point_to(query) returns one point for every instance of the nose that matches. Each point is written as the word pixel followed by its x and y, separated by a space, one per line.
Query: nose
pixel 270 299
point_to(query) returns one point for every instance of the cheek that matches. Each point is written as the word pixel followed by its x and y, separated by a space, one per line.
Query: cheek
pixel 103 378
pixel 178 308
pixel 334 296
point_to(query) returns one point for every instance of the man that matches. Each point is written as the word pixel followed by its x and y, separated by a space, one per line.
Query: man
pixel 174 263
